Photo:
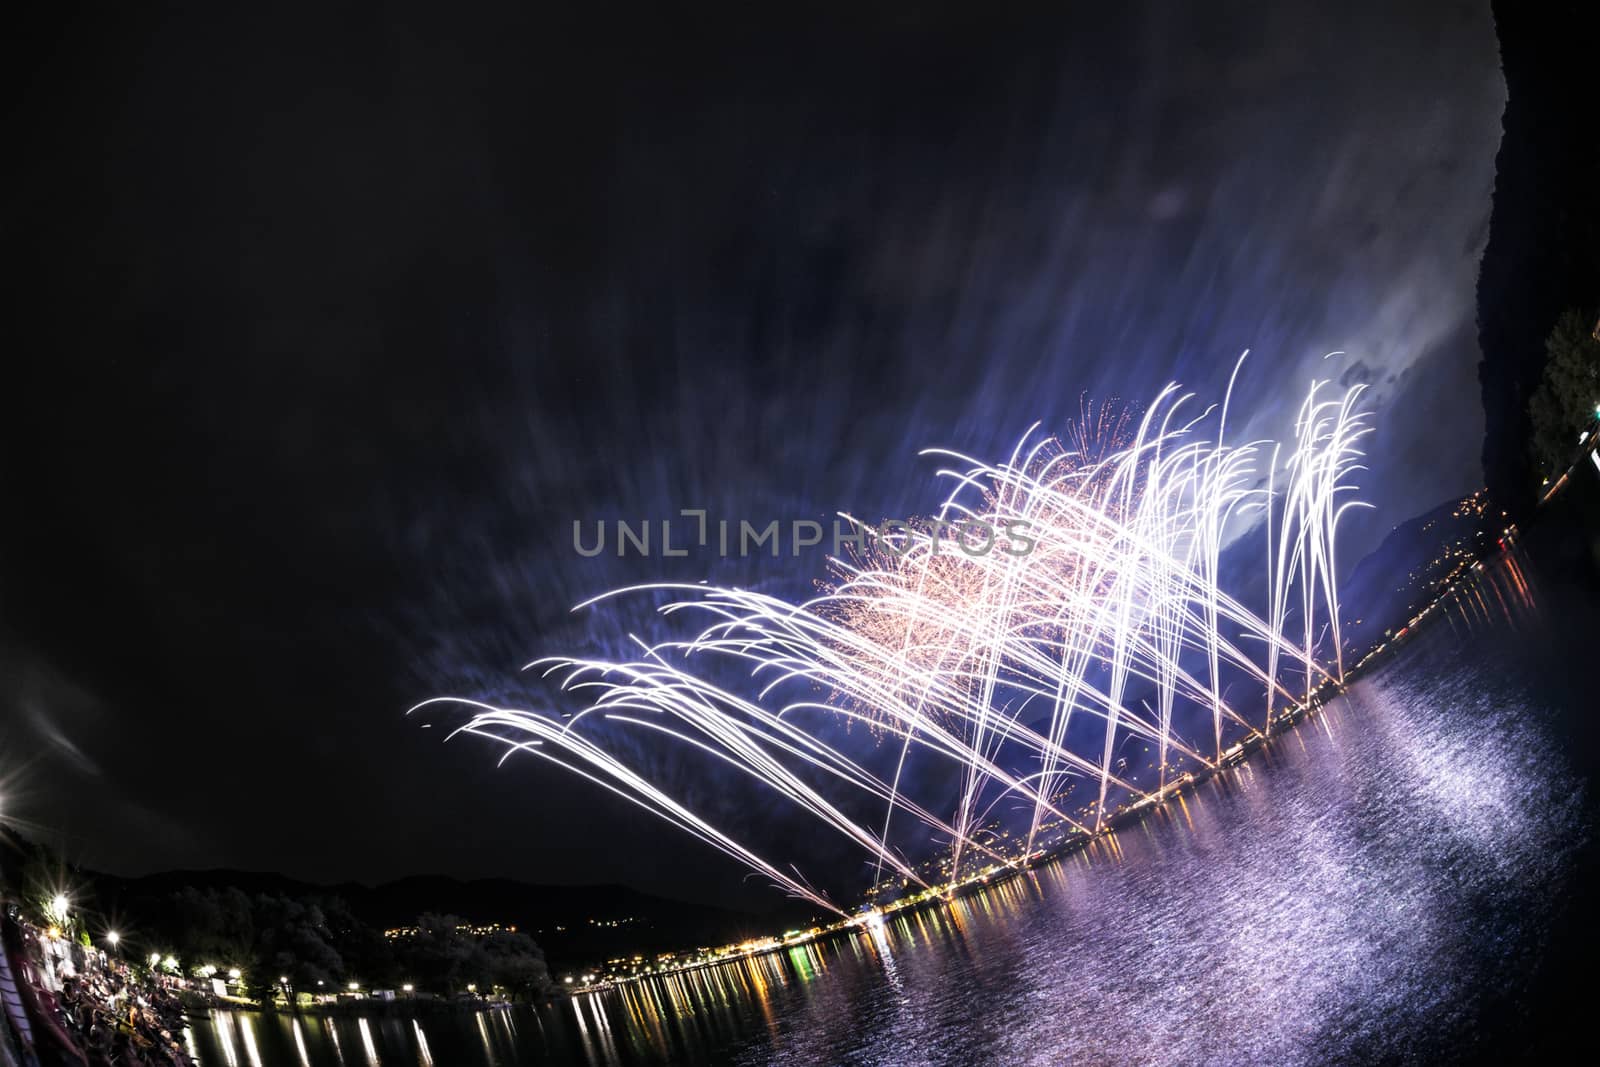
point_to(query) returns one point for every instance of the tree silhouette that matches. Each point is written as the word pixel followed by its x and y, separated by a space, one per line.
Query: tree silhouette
pixel 1568 396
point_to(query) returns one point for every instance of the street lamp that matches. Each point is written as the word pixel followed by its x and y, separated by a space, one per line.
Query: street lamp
pixel 112 938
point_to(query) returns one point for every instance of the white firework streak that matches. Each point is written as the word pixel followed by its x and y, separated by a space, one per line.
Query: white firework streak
pixel 942 651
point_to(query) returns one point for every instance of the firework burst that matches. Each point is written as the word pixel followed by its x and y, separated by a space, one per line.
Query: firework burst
pixel 1090 613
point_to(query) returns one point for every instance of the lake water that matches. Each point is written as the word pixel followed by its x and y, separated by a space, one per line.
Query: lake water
pixel 1392 880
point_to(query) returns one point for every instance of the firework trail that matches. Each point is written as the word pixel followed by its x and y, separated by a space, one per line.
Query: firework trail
pixel 992 652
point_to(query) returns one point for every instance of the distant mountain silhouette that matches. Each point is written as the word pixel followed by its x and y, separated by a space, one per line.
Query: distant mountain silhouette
pixel 573 924
pixel 1402 574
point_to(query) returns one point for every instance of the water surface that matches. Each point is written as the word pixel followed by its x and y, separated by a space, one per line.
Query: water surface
pixel 1380 883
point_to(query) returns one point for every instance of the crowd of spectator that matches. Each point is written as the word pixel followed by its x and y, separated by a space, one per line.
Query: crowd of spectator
pixel 116 1020
pixel 65 1004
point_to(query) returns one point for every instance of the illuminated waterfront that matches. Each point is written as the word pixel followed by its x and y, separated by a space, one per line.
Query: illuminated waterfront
pixel 1380 879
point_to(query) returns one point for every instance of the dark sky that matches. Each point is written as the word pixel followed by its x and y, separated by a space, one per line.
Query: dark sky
pixel 326 325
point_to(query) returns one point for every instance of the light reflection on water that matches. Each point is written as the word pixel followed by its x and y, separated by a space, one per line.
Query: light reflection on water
pixel 1350 892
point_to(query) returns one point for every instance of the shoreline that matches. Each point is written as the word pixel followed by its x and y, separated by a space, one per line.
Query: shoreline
pixel 874 916
pixel 408 1008
pixel 1129 814
pixel 996 874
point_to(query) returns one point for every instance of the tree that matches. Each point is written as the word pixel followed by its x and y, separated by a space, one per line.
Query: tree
pixel 208 927
pixel 441 957
pixel 368 956
pixel 444 956
pixel 1568 396
pixel 516 963
pixel 293 942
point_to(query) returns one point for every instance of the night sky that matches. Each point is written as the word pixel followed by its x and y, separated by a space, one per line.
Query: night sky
pixel 325 326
